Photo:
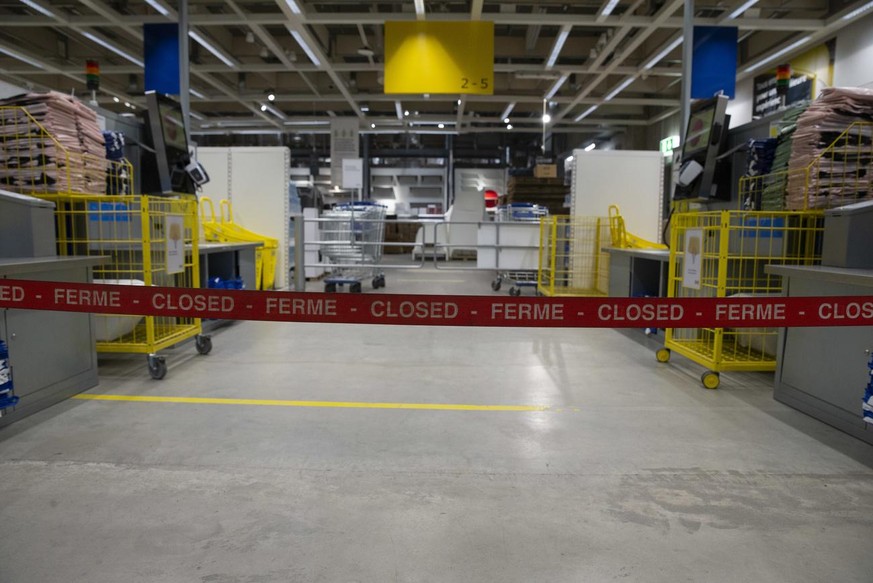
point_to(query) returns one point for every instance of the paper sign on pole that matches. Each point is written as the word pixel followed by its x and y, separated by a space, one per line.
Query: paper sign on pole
pixel 439 57
pixel 353 173
pixel 344 143
pixel 692 259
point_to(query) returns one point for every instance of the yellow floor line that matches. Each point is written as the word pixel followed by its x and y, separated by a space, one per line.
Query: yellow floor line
pixel 321 404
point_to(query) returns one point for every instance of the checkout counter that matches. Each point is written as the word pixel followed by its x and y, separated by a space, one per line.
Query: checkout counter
pixel 52 354
pixel 823 371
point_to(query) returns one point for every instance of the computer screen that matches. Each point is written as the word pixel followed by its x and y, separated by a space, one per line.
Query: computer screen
pixel 166 174
pixel 174 127
pixel 699 130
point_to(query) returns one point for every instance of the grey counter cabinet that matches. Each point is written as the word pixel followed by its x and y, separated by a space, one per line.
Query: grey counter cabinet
pixel 823 371
pixel 52 354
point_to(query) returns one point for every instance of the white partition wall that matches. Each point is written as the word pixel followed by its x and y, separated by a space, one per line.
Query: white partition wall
pixel 631 179
pixel 256 181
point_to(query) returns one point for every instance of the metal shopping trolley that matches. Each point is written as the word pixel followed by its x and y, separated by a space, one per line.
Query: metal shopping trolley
pixel 518 261
pixel 352 237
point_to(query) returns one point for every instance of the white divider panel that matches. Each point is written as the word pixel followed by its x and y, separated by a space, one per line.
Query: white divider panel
pixel 631 179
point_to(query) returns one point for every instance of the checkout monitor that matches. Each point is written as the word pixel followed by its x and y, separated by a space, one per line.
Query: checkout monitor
pixel 170 142
pixel 705 140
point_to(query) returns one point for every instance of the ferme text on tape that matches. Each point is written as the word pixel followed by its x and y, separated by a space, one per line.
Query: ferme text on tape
pixel 432 310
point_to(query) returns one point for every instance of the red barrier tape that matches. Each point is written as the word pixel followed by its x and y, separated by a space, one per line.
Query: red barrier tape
pixel 430 310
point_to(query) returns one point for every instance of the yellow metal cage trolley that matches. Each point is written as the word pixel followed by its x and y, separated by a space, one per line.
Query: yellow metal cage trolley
pixel 572 261
pixel 722 254
pixel 146 240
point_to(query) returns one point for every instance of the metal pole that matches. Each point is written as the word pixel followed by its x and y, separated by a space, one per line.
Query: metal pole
pixel 184 69
pixel 299 254
pixel 687 56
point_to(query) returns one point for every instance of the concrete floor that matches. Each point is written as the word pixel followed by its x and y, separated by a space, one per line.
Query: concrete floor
pixel 635 473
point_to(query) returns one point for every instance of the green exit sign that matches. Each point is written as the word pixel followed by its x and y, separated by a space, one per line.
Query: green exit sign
pixel 669 144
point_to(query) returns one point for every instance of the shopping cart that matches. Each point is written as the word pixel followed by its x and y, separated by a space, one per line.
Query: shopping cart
pixel 352 238
pixel 515 263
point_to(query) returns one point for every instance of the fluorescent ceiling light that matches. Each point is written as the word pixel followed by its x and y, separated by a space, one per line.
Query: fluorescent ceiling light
pixel 742 8
pixel 559 44
pixel 25 59
pixel 212 49
pixel 621 87
pixel 777 54
pixel 590 147
pixel 610 6
pixel 197 94
pixel 557 86
pixel 586 113
pixel 292 5
pixel 858 11
pixel 163 10
pixel 508 110
pixel 197 116
pixel 667 50
pixel 299 38
pixel 419 9
pixel 39 8
pixel 108 45
pixel 306 123
pixel 275 111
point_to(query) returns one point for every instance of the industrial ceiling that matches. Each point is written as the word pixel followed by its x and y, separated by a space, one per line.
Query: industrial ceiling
pixel 596 63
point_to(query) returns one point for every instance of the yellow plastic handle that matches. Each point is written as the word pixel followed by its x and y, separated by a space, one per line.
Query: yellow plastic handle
pixel 203 201
pixel 225 205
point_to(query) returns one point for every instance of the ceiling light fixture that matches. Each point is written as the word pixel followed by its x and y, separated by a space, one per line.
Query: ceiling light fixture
pixel 373 126
pixel 274 111
pixel 399 109
pixel 196 94
pixel 39 8
pixel 509 126
pixel 292 5
pixel 459 102
pixel 365 108
pixel 108 45
pixel 197 116
pixel 159 7
pixel 505 120
pixel 126 104
pixel 777 54
pixel 263 107
pixel 419 9
pixel 621 87
pixel 559 44
pixel 742 8
pixel 405 113
pixel 557 86
pixel 666 51
pixel 507 111
pixel 212 49
pixel 441 126
pixel 546 118
pixel 586 113
pixel 116 99
pixel 607 10
pixel 858 11
pixel 590 147
pixel 309 53
pixel 271 96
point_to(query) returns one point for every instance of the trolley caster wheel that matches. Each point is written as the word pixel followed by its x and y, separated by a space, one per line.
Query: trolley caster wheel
pixel 157 366
pixel 710 379
pixel 663 355
pixel 515 291
pixel 203 344
pixel 329 288
pixel 378 281
pixel 355 288
pixel 495 285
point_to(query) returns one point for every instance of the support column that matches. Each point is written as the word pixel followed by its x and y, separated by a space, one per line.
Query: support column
pixel 687 56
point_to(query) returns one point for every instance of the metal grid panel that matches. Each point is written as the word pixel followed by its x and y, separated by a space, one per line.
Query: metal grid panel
pixel 572 260
pixel 137 234
pixel 733 248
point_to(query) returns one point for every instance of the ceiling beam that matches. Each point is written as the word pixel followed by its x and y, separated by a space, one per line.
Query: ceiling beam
pixel 372 18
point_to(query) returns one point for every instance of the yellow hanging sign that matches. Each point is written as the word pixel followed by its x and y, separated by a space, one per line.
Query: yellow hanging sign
pixel 439 57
